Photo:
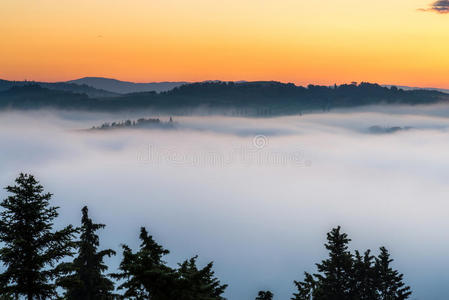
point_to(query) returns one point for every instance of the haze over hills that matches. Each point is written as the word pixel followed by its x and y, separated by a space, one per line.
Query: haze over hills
pixel 100 87
pixel 125 87
pixel 244 99
pixel 408 88
pixel 96 87
pixel 61 86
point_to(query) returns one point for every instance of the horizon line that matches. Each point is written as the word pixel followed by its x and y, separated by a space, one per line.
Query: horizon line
pixel 220 80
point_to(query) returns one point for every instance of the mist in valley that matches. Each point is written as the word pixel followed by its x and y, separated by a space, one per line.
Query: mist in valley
pixel 254 195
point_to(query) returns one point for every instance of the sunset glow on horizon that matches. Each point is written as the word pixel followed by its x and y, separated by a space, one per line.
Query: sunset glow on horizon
pixel 321 42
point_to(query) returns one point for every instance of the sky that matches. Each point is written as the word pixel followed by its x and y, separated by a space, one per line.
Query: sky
pixel 402 42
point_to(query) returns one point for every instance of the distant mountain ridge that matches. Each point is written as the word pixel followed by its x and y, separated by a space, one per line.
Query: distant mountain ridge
pixel 90 91
pixel 268 98
pixel 408 88
pixel 126 87
pixel 101 87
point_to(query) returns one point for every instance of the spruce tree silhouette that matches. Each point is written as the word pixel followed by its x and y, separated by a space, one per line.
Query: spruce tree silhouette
pixel 335 273
pixel 264 295
pixel 84 279
pixel 365 277
pixel 344 276
pixel 31 247
pixel 144 273
pixel 197 284
pixel 306 289
pixel 390 282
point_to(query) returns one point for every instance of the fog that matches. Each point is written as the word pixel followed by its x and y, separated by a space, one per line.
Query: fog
pixel 254 195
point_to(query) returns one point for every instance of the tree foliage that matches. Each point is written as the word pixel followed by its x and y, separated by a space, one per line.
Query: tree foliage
pixel 264 295
pixel 253 98
pixel 197 284
pixel 391 285
pixel 146 275
pixel 84 278
pixel 31 248
pixel 346 276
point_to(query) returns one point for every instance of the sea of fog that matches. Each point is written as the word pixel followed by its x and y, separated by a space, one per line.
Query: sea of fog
pixel 254 195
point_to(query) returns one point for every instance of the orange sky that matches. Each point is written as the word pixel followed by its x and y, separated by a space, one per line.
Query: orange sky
pixel 314 41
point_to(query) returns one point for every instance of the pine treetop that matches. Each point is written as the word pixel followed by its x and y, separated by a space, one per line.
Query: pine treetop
pixel 31 247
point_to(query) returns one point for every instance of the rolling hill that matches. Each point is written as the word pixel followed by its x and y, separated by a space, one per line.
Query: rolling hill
pixel 125 87
pixel 243 99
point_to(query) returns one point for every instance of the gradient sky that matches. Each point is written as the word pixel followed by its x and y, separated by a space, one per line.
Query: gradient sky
pixel 322 42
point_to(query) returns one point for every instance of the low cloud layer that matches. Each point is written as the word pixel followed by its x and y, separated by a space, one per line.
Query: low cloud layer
pixel 440 6
pixel 263 222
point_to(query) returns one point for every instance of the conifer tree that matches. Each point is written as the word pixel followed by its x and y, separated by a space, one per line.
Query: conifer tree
pixel 334 280
pixel 264 295
pixel 335 273
pixel 31 248
pixel 144 273
pixel 390 282
pixel 344 276
pixel 306 288
pixel 197 284
pixel 365 277
pixel 84 278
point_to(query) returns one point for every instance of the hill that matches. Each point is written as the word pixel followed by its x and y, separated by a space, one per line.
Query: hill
pixel 35 96
pixel 408 88
pixel 61 86
pixel 244 98
pixel 125 87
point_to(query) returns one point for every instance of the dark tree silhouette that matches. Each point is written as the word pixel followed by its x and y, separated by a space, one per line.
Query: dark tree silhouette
pixel 306 288
pixel 344 276
pixel 144 273
pixel 365 277
pixel 31 248
pixel 197 284
pixel 253 98
pixel 84 278
pixel 335 273
pixel 391 285
pixel 264 295
pixel 146 276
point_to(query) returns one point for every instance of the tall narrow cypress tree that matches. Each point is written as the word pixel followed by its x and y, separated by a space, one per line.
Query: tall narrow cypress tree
pixel 31 248
pixel 84 278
